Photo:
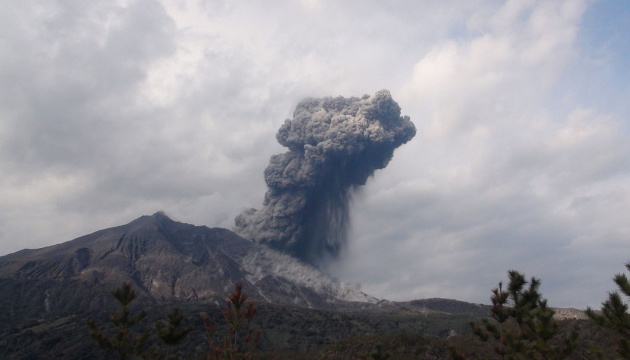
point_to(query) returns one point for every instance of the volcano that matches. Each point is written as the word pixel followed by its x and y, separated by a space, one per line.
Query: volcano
pixel 165 261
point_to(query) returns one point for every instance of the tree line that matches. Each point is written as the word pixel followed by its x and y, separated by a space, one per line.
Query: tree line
pixel 521 325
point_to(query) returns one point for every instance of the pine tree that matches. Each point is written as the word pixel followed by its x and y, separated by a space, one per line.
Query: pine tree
pixel 522 325
pixel 172 333
pixel 240 341
pixel 614 314
pixel 123 342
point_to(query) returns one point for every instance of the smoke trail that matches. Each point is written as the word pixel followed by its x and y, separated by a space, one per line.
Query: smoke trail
pixel 335 145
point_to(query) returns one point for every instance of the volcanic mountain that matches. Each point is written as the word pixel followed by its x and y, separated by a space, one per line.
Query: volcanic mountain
pixel 165 261
pixel 47 294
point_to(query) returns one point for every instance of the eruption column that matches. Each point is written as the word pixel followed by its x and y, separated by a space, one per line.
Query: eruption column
pixel 335 145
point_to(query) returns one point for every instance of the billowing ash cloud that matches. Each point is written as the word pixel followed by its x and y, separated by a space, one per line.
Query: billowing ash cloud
pixel 335 145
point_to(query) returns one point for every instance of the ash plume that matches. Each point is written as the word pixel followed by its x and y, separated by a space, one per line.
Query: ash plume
pixel 335 145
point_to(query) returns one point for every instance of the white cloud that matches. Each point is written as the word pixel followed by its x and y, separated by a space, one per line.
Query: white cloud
pixel 489 181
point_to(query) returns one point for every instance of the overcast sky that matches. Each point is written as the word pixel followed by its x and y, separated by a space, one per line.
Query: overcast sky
pixel 110 110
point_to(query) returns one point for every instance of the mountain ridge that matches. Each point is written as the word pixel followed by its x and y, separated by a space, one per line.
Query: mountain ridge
pixel 166 261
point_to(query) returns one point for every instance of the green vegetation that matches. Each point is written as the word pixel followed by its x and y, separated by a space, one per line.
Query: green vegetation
pixel 519 325
pixel 614 314
pixel 171 334
pixel 522 325
pixel 123 342
pixel 239 342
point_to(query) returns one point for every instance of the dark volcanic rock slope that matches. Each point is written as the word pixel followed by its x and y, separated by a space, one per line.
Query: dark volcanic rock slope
pixel 165 260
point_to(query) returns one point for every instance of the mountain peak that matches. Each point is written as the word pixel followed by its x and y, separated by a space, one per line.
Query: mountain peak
pixel 157 218
pixel 164 260
pixel 161 216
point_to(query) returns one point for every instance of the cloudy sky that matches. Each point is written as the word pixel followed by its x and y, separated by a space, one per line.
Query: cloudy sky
pixel 110 110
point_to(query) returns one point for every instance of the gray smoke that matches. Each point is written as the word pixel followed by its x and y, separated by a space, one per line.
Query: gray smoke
pixel 335 145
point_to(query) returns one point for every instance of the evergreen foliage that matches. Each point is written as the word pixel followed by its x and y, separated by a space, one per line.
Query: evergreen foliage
pixel 614 314
pixel 240 341
pixel 123 342
pixel 173 332
pixel 521 324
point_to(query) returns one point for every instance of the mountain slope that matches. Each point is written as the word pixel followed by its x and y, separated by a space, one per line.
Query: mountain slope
pixel 165 260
